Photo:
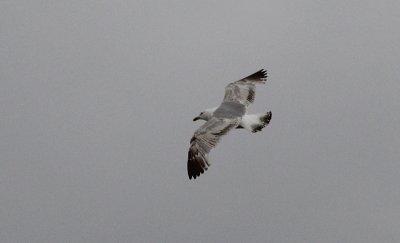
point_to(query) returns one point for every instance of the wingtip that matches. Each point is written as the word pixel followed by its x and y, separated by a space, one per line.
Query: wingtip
pixel 263 73
pixel 195 167
pixel 260 75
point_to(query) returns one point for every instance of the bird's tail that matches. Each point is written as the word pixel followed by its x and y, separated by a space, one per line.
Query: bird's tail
pixel 256 122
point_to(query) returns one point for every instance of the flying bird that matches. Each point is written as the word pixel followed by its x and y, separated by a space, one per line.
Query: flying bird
pixel 230 114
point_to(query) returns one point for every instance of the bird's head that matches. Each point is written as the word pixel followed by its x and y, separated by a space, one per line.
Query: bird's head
pixel 201 116
pixel 205 115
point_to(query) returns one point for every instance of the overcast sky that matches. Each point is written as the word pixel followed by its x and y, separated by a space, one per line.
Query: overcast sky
pixel 96 106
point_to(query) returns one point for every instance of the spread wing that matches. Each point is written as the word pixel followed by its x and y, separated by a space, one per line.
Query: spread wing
pixel 244 90
pixel 203 140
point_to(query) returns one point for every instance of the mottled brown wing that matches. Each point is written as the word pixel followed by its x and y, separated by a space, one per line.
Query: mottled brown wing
pixel 243 91
pixel 203 140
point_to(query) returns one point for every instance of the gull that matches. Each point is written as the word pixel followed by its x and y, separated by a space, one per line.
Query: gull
pixel 230 114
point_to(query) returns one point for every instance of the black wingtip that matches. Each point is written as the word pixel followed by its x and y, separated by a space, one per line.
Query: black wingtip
pixel 196 165
pixel 259 75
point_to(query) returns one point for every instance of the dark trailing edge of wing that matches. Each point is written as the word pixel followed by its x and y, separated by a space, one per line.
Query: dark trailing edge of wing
pixel 259 75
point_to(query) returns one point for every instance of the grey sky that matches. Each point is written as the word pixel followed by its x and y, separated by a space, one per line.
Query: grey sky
pixel 96 107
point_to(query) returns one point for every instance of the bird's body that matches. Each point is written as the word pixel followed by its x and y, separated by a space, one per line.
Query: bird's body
pixel 231 113
pixel 230 109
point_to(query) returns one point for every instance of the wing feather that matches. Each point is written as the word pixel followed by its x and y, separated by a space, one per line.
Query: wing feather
pixel 205 139
pixel 243 91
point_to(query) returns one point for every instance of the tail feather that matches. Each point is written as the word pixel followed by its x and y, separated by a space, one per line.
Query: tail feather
pixel 256 122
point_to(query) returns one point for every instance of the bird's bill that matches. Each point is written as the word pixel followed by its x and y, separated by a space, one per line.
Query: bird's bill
pixel 196 118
